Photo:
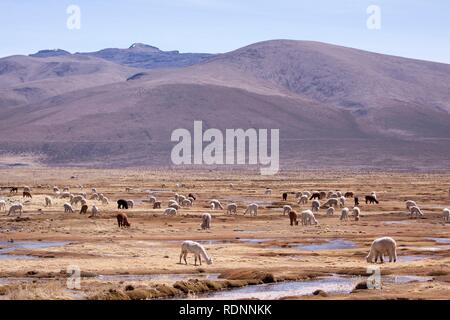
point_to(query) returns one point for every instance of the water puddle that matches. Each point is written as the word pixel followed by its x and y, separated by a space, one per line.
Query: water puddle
pixel 410 258
pixel 329 245
pixel 397 222
pixel 440 240
pixel 7 247
pixel 159 277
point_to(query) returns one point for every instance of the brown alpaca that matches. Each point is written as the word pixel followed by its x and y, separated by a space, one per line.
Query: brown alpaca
pixel 26 194
pixel 157 205
pixel 122 220
pixel 84 209
pixel 293 218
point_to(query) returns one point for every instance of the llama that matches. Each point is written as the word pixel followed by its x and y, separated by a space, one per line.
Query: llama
pixel 446 214
pixel 344 214
pixel 231 208
pixel 252 209
pixel 382 246
pixel 293 217
pixel 14 208
pixel 122 220
pixel 308 218
pixel 286 209
pixel 415 212
pixel 48 201
pixel 67 208
pixel 206 221
pixel 197 249
pixel 315 205
pixel 170 212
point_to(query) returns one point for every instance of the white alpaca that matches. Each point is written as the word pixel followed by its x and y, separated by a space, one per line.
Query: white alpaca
pixel 14 208
pixel 68 208
pixel 175 206
pixel 446 214
pixel 308 218
pixel 307 193
pixel 195 248
pixel 171 202
pixel 332 195
pixel 286 209
pixel 415 212
pixel 315 205
pixel 64 195
pixel 215 204
pixel 186 203
pixel 180 198
pixel 231 208
pixel 380 247
pixel 74 200
pixel 94 212
pixel 252 209
pixel 339 194
pixel 344 214
pixel 303 199
pixel 330 211
pixel 105 200
pixel 341 201
pixel 48 201
pixel 3 205
pixel 206 221
pixel 152 199
pixel 170 212
pixel 130 204
pixel 356 213
pixel 410 204
pixel 268 191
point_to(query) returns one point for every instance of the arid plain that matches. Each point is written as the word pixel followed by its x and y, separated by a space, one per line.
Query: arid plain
pixel 253 257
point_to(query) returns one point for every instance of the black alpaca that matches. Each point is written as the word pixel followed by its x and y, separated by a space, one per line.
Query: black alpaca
pixel 192 196
pixel 315 195
pixel 285 196
pixel 122 204
pixel 371 199
pixel 356 201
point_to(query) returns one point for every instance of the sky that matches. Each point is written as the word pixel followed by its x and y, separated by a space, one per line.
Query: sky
pixel 409 28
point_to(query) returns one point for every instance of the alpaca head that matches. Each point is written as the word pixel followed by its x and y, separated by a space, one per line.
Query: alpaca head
pixel 209 260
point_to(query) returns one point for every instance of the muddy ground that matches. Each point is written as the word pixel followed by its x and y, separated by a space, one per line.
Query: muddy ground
pixel 249 253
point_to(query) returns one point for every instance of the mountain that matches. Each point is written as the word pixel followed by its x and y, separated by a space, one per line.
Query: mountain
pixel 336 107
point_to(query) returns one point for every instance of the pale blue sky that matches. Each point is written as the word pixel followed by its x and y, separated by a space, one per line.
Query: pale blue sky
pixel 411 28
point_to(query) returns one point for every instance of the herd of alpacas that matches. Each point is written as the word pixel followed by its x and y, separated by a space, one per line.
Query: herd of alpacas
pixel 332 201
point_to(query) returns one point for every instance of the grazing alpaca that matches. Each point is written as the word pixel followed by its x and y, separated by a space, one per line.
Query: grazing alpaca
pixel 286 209
pixel 14 190
pixel 152 199
pixel 356 213
pixel 105 200
pixel 215 204
pixel 64 195
pixel 330 211
pixel 122 220
pixel 356 201
pixel 186 203
pixel 130 204
pixel 348 194
pixel 415 212
pixel 268 191
pixel 315 205
pixel 446 214
pixel 332 202
pixel 285 196
pixel 74 200
pixel 293 217
pixel 303 199
pixel 252 209
pixel 206 221
pixel 26 189
pixel 175 206
pixel 409 204
pixel 344 214
pixel 14 208
pixel 315 195
pixel 157 205
pixel 231 208
pixel 48 201
pixel 94 196
pixel 27 194
pixel 3 205
pixel 170 212
pixel 68 208
pixel 195 248
pixel 122 204
pixel 55 189
pixel 380 247
pixel 190 195
pixel 84 209
pixel 323 194
pixel 342 201
pixel 308 218
pixel 371 199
